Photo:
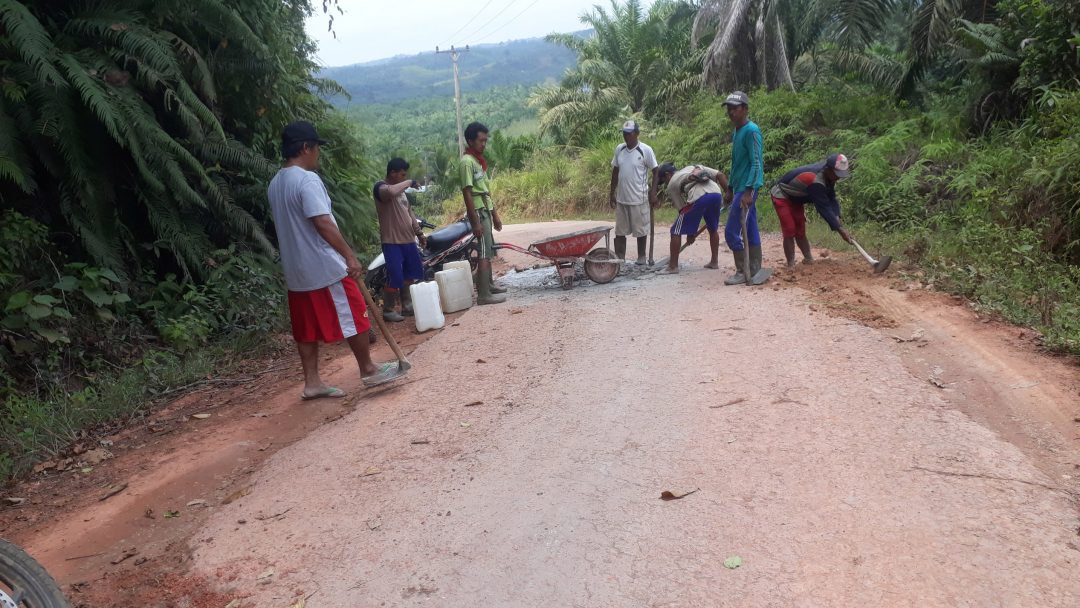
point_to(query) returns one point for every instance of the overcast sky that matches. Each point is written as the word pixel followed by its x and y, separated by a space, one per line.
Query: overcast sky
pixel 374 30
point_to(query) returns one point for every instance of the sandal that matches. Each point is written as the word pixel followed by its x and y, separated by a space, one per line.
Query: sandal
pixel 326 391
pixel 387 372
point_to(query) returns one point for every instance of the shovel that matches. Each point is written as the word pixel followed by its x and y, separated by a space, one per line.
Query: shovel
pixel 403 363
pixel 879 265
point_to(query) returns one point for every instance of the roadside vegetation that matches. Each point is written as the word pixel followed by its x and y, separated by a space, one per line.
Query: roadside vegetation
pixel 136 250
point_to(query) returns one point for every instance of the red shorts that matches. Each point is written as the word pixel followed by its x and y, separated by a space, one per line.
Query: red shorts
pixel 792 217
pixel 330 314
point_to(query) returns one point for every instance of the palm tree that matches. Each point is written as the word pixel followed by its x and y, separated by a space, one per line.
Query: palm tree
pixel 754 43
pixel 144 126
pixel 636 62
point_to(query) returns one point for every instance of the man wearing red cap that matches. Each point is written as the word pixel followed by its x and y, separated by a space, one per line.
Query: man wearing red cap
pixel 809 184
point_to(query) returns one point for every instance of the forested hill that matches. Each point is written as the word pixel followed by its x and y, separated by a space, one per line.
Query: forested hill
pixel 519 62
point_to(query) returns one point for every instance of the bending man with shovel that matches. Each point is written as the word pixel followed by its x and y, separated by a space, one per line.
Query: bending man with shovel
pixel 814 184
pixel 747 177
pixel 698 193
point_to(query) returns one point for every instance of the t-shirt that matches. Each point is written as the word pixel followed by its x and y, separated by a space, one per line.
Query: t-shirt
pixel 747 162
pixel 397 224
pixel 807 184
pixel 635 167
pixel 473 176
pixel 682 190
pixel 297 195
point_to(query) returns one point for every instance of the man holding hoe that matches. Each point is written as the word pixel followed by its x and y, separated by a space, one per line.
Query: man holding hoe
pixel 747 176
pixel 698 193
pixel 633 191
pixel 321 270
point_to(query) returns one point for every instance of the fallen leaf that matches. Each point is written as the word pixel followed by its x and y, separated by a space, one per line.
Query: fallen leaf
pixel 370 472
pixel 420 442
pixel 171 514
pixel 114 490
pixel 301 603
pixel 41 467
pixel 141 560
pixel 669 495
pixel 14 501
pixel 260 415
pixel 374 524
pixel 516 311
pixel 473 404
pixel 269 572
pixel 481 361
pixel 465 425
pixel 198 502
pixel 86 470
pixel 200 416
pixel 128 553
pixel 733 562
pixel 732 402
pixel 233 604
pixel 96 456
pixel 237 495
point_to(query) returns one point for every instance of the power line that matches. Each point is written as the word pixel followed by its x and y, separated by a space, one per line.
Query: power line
pixel 508 5
pixel 515 18
pixel 450 38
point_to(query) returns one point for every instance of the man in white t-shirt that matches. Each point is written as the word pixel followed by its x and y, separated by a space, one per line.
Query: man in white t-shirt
pixel 321 270
pixel 633 190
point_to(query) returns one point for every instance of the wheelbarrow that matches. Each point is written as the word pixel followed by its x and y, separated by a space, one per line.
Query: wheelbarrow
pixel 601 264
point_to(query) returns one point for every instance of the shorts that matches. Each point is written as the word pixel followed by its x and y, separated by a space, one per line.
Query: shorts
pixel 632 220
pixel 403 263
pixel 485 245
pixel 707 207
pixel 330 314
pixel 792 217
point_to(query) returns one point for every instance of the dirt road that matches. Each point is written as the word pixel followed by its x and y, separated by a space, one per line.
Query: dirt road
pixel 853 440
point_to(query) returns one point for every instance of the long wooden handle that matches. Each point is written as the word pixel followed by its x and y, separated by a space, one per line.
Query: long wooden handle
pixel 863 252
pixel 373 313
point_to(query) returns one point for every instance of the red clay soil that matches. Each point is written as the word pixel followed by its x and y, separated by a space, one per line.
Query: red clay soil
pixel 856 439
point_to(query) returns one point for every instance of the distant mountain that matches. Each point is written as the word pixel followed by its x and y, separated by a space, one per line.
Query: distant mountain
pixel 518 62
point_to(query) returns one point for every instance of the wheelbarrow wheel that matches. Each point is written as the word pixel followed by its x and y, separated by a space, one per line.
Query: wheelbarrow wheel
pixel 598 268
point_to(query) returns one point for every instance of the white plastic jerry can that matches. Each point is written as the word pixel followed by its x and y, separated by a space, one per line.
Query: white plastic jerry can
pixel 455 289
pixel 426 308
pixel 464 265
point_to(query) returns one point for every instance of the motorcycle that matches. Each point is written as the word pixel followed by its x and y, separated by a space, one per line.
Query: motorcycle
pixel 449 244
pixel 24 583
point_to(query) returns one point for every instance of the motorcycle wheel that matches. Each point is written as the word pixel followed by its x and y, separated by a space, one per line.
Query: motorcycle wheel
pixel 24 583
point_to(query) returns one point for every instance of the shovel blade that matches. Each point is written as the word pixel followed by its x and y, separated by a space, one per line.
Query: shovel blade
pixel 882 264
pixel 761 276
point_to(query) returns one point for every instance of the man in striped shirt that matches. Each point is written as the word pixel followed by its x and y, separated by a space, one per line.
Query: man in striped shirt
pixel 747 176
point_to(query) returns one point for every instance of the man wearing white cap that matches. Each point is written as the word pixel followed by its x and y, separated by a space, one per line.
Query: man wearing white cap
pixel 814 184
pixel 747 176
pixel 633 190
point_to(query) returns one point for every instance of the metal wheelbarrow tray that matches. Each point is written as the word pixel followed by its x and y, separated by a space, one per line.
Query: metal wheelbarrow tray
pixel 601 265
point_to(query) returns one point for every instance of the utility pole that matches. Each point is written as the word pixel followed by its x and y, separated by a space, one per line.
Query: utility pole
pixel 453 52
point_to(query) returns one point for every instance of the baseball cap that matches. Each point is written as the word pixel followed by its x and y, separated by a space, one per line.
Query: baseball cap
pixel 665 170
pixel 737 98
pixel 630 126
pixel 839 164
pixel 300 131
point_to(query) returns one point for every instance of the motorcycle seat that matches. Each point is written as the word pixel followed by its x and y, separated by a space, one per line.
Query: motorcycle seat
pixel 443 238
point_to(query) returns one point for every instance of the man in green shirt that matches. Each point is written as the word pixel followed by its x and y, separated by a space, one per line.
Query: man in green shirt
pixel 746 178
pixel 481 211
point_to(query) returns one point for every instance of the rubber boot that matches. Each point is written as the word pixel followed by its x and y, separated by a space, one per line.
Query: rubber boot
pixel 406 302
pixel 804 246
pixel 642 246
pixel 739 277
pixel 483 287
pixel 620 247
pixel 755 259
pixel 389 310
